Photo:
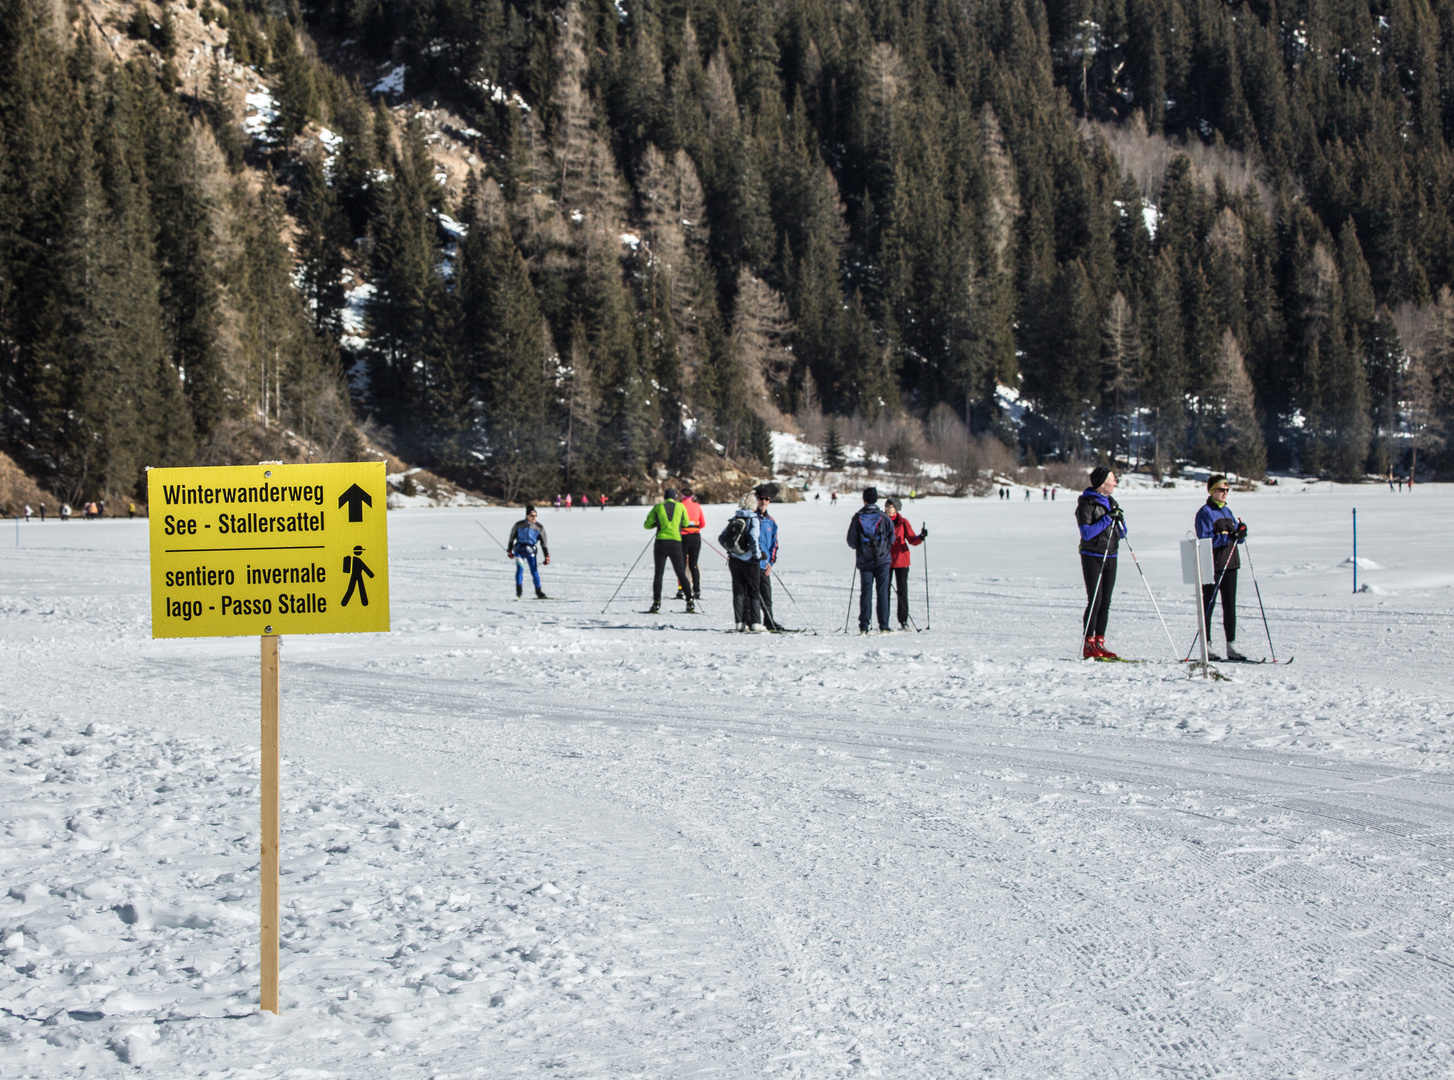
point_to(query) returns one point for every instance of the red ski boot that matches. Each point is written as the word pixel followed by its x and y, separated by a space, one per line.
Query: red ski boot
pixel 1104 652
pixel 1090 652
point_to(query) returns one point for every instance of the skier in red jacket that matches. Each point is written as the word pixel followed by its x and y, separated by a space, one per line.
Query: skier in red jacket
pixel 904 535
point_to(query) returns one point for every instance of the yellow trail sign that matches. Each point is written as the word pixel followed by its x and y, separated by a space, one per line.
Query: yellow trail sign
pixel 269 549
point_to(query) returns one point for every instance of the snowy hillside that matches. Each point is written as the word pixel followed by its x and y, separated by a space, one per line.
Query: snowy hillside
pixel 527 839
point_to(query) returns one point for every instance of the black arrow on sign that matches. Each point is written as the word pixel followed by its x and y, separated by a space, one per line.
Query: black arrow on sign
pixel 355 497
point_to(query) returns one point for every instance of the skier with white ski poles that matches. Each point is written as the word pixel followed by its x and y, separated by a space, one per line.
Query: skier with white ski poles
pixel 767 542
pixel 525 535
pixel 667 518
pixel 692 543
pixel 904 535
pixel 871 536
pixel 1216 522
pixel 742 540
pixel 1102 524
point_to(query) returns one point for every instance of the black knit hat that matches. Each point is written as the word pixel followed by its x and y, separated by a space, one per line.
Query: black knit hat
pixel 1098 476
pixel 669 493
pixel 870 495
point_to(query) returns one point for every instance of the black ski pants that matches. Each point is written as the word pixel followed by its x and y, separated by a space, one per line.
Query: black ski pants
pixel 1229 604
pixel 746 590
pixel 873 581
pixel 661 552
pixel 764 597
pixel 901 590
pixel 692 552
pixel 1100 582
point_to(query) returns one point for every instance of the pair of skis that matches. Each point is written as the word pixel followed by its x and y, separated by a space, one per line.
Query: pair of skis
pixel 1130 660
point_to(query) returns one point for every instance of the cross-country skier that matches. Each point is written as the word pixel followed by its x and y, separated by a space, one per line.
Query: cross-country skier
pixel 1102 524
pixel 667 518
pixel 871 536
pixel 741 539
pixel 767 541
pixel 525 536
pixel 1215 521
pixel 692 543
pixel 904 535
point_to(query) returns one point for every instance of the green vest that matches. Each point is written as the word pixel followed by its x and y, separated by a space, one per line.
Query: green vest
pixel 667 526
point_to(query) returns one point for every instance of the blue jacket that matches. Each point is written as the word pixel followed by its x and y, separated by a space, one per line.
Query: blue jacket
pixel 523 538
pixel 1093 515
pixel 767 538
pixel 1217 522
pixel 756 526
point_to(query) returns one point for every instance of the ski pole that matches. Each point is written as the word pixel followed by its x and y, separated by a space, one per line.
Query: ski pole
pixel 922 526
pixel 1149 593
pixel 1260 608
pixel 714 547
pixel 492 537
pixel 849 613
pixel 1090 611
pixel 794 599
pixel 628 574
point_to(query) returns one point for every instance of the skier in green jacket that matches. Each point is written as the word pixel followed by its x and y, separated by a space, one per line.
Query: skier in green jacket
pixel 667 518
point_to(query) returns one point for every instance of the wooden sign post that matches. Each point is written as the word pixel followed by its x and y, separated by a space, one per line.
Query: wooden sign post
pixel 301 549
pixel 271 827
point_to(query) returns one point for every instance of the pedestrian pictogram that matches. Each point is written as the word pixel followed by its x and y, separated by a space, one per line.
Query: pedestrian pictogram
pixel 268 549
pixel 355 568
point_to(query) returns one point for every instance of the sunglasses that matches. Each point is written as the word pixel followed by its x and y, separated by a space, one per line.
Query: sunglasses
pixel 1223 488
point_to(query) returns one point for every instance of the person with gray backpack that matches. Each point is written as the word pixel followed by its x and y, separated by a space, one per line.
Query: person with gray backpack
pixel 742 540
pixel 871 536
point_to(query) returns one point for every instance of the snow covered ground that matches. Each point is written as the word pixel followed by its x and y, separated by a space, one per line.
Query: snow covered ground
pixel 527 838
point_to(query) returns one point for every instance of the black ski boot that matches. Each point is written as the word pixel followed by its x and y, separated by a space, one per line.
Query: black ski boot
pixel 540 594
pixel 519 591
pixel 691 607
pixel 655 609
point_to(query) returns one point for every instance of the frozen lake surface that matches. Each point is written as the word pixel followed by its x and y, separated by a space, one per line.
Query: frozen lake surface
pixel 527 839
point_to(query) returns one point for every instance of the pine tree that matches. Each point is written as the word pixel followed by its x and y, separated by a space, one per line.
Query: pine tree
pixel 833 445
pixel 323 233
pixel 1240 435
pixel 1121 363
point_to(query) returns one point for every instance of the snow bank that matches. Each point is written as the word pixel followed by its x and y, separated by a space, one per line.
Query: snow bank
pixel 392 83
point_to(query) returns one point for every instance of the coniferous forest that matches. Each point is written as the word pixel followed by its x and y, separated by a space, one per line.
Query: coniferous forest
pixel 1144 231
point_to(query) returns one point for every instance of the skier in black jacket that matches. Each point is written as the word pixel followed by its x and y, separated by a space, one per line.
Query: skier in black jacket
pixel 1101 527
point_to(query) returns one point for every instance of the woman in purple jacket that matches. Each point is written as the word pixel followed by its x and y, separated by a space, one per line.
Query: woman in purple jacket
pixel 1101 526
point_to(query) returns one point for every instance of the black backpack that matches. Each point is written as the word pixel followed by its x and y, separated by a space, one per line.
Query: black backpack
pixel 737 536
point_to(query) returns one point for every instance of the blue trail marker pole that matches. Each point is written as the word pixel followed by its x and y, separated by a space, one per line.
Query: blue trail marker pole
pixel 1355 549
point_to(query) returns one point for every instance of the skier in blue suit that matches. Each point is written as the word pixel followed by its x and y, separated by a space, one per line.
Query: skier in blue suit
pixel 526 535
pixel 1215 521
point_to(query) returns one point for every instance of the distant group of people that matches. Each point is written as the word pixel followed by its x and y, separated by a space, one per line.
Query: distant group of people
pixel 91 511
pixel 749 541
pixel 584 502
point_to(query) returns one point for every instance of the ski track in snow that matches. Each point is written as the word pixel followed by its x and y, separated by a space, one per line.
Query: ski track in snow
pixel 522 838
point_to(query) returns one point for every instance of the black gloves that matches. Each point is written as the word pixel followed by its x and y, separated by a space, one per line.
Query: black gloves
pixel 1241 531
pixel 924 533
pixel 1119 515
